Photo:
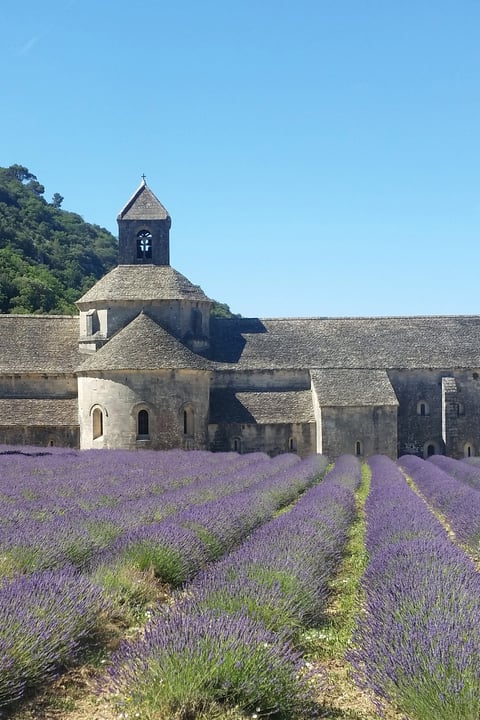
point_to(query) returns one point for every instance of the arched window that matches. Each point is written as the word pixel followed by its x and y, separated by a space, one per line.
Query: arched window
pixel 430 450
pixel 291 444
pixel 144 245
pixel 468 450
pixel 422 408
pixel 97 423
pixel 358 448
pixel 142 422
pixel 237 445
pixel 188 421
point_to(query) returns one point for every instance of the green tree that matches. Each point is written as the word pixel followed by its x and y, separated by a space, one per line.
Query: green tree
pixel 48 257
pixel 57 200
pixel 19 172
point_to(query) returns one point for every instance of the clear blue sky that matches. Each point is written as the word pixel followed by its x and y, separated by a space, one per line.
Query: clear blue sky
pixel 318 157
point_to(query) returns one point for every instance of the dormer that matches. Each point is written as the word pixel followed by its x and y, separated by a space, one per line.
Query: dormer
pixel 144 230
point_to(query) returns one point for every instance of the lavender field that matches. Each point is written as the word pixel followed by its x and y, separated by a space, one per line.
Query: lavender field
pixel 220 575
pixel 417 642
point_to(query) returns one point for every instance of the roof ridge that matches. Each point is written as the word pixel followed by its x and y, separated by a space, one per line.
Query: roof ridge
pixel 38 316
pixel 365 317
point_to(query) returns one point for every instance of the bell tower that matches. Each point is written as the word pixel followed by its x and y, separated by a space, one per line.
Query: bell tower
pixel 144 230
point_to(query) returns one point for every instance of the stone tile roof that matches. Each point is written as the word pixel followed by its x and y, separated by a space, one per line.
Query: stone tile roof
pixel 38 344
pixel 38 413
pixel 227 406
pixel 449 384
pixel 376 342
pixel 143 205
pixel 143 345
pixel 353 387
pixel 143 282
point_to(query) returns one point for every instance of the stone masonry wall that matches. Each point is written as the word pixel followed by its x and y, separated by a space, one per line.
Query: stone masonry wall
pixel 375 428
pixel 175 316
pixel 418 434
pixel 164 394
pixel 63 436
pixel 273 439
pixel 38 386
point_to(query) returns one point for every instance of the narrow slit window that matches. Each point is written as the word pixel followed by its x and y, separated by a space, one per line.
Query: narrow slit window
pixel 143 422
pixel 422 408
pixel 97 421
pixel 358 448
pixel 188 421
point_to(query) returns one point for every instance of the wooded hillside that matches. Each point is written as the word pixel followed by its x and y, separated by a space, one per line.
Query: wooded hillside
pixel 48 257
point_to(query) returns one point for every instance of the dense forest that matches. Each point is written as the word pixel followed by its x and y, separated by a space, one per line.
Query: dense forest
pixel 48 257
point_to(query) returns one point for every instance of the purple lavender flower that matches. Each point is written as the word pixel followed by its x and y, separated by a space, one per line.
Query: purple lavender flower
pixel 228 636
pixel 44 618
pixel 457 500
pixel 417 641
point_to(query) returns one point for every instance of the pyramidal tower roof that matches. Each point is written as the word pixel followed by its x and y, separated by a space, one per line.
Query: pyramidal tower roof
pixel 144 345
pixel 143 205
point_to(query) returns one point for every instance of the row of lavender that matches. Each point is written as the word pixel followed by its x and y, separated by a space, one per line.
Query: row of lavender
pixel 452 487
pixel 45 615
pixel 466 470
pixel 230 639
pixel 67 508
pixel 417 643
pixel 177 548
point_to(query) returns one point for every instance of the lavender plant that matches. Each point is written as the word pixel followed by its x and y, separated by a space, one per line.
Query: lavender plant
pixel 282 572
pixel 228 637
pixel 68 508
pixel 463 470
pixel 417 641
pixel 458 501
pixel 60 509
pixel 191 660
pixel 44 619
pixel 179 547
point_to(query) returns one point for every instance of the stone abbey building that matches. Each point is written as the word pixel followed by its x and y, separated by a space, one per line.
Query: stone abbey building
pixel 145 365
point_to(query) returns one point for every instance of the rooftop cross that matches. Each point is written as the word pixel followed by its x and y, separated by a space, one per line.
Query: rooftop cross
pixel 144 178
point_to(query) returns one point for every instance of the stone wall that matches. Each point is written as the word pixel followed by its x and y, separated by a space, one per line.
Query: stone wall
pixel 416 431
pixel 362 431
pixel 461 413
pixel 38 386
pixel 175 315
pixel 447 423
pixel 127 247
pixel 273 439
pixel 63 436
pixel 164 394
